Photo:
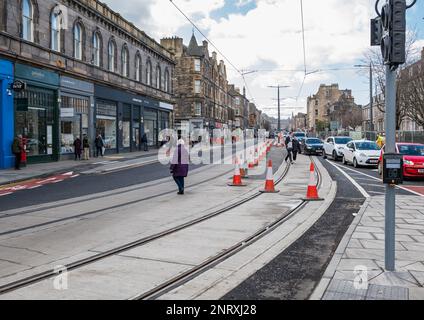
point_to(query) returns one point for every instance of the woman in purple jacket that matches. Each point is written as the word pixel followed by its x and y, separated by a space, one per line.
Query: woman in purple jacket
pixel 179 165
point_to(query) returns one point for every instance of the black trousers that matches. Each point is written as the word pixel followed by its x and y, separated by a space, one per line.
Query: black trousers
pixel 99 150
pixel 294 155
pixel 146 146
pixel 180 183
pixel 289 154
pixel 17 160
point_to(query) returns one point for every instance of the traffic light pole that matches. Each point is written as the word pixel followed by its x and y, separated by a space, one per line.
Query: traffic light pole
pixel 371 102
pixel 390 205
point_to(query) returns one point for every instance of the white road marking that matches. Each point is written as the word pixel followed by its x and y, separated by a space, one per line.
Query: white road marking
pixel 379 179
pixel 357 185
pixel 5 194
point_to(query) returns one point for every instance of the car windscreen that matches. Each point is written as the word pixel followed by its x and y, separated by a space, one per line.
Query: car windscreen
pixel 367 146
pixel 411 149
pixel 342 140
pixel 300 134
pixel 314 141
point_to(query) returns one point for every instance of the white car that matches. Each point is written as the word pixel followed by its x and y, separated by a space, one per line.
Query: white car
pixel 361 153
pixel 334 147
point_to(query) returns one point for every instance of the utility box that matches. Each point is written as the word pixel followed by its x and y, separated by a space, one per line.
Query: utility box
pixel 392 168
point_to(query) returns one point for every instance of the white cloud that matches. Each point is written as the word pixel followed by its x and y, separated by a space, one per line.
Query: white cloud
pixel 337 33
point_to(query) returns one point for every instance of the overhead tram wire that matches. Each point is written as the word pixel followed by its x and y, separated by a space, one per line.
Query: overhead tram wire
pixel 217 49
pixel 304 50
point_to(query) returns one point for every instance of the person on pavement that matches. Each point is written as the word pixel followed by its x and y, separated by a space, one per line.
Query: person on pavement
pixel 289 147
pixel 77 148
pixel 17 149
pixel 179 165
pixel 99 145
pixel 86 146
pixel 144 142
pixel 380 140
pixel 296 148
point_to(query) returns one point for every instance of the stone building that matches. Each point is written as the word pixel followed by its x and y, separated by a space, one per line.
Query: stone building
pixel 201 86
pixel 321 105
pixel 87 70
pixel 240 105
pixel 299 122
pixel 378 115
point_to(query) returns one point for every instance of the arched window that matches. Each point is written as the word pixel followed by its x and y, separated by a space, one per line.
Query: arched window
pixel 96 49
pixel 111 56
pixel 125 61
pixel 149 73
pixel 158 78
pixel 137 67
pixel 56 29
pixel 27 20
pixel 78 41
pixel 167 89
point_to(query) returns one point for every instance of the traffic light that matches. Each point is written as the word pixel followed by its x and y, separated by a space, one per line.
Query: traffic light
pixel 393 22
pixel 376 31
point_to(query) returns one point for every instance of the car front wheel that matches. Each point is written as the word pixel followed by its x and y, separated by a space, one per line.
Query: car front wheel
pixel 334 155
pixel 355 163
pixel 344 160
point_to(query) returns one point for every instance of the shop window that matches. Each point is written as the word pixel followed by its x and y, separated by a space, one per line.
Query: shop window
pixel 35 124
pixel 27 20
pixel 106 122
pixel 73 122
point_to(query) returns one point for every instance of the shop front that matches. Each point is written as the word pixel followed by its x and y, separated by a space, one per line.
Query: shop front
pixel 122 118
pixel 37 113
pixel 76 99
pixel 6 114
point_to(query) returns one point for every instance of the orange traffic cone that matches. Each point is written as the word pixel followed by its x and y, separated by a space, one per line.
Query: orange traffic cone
pixel 269 183
pixel 312 193
pixel 237 176
pixel 252 161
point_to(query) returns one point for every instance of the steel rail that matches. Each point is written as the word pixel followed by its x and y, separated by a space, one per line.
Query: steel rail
pixel 15 285
pixel 185 277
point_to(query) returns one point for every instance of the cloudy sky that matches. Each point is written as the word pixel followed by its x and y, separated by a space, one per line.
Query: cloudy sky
pixel 266 36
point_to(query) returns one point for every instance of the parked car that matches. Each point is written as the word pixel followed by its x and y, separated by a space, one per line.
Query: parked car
pixel 413 159
pixel 312 146
pixel 300 136
pixel 361 153
pixel 334 146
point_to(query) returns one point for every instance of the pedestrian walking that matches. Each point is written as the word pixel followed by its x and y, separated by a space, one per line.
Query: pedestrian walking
pixel 77 148
pixel 289 147
pixel 86 146
pixel 179 165
pixel 144 142
pixel 17 149
pixel 99 143
pixel 296 148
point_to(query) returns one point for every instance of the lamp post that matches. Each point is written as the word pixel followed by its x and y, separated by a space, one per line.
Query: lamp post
pixel 279 110
pixel 371 100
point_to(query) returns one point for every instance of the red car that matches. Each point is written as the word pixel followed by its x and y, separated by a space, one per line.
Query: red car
pixel 413 159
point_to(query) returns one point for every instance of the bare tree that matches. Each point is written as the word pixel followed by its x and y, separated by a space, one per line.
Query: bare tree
pixel 413 97
pixel 374 56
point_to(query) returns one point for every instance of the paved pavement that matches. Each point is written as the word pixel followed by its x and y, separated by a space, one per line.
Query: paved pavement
pixel 356 272
pixel 31 171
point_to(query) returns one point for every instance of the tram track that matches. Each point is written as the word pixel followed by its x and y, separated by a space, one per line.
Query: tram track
pixel 24 282
pixel 192 273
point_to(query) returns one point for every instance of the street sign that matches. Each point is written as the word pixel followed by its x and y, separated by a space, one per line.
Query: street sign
pixel 18 86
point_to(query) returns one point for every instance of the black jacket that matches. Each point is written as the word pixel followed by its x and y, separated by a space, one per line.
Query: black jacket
pixel 296 145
